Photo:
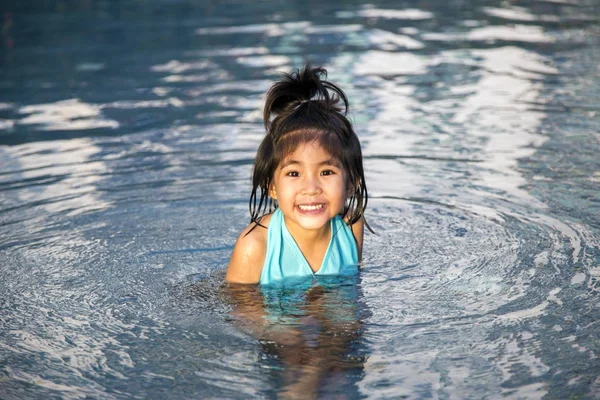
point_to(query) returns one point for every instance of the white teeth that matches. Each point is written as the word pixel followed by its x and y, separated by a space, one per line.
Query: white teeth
pixel 310 207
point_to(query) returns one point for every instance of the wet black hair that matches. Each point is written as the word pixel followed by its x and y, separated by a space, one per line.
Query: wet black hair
pixel 304 107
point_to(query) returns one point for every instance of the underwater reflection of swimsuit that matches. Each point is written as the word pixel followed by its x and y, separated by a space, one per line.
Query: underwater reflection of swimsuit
pixel 285 262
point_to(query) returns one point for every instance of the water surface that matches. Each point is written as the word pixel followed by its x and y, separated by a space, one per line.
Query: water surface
pixel 127 136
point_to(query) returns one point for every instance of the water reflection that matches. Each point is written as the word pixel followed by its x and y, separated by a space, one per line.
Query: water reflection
pixel 310 336
pixel 479 106
pixel 479 124
pixel 70 114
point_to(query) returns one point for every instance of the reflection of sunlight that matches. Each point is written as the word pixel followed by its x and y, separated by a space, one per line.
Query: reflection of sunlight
pixel 56 181
pixel 494 112
pixel 6 124
pixel 390 133
pixel 323 29
pixel 406 14
pixel 517 14
pixel 227 52
pixel 391 41
pixel 131 104
pixel 253 86
pixel 394 102
pixel 407 370
pixel 76 346
pixel 70 161
pixel 531 365
pixel 265 61
pixel 268 29
pixel 177 67
pixel 67 391
pixel 79 352
pixel 200 71
pixel 384 63
pixel 70 114
pixel 516 62
pixel 499 110
pixel 517 33
pixel 566 231
pixel 185 78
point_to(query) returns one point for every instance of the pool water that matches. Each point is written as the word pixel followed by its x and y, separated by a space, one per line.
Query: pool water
pixel 127 136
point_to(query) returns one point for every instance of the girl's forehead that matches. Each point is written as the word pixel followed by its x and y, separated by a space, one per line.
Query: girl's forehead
pixel 312 147
pixel 308 152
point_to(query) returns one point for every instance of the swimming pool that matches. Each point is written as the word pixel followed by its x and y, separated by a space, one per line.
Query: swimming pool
pixel 127 135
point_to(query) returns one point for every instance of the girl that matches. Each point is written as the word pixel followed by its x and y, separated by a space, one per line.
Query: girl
pixel 308 188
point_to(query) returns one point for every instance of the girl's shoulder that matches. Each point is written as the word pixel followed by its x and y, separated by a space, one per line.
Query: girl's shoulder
pixel 257 231
pixel 248 257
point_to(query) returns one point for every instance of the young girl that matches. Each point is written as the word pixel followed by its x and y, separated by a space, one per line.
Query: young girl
pixel 308 188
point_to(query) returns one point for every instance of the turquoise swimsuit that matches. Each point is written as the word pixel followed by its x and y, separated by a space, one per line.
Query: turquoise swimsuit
pixel 285 262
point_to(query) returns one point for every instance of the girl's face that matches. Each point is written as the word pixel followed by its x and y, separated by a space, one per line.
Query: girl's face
pixel 310 187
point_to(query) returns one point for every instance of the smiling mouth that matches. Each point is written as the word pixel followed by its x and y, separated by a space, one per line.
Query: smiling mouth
pixel 310 207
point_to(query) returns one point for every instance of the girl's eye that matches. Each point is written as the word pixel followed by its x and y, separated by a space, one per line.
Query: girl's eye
pixel 293 174
pixel 327 172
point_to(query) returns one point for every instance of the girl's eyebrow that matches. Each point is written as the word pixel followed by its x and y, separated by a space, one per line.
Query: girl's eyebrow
pixel 330 161
pixel 288 162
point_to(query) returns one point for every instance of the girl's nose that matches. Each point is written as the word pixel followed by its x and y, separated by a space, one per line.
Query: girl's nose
pixel 311 186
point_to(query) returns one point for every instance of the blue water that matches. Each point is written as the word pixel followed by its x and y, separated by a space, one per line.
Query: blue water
pixel 127 136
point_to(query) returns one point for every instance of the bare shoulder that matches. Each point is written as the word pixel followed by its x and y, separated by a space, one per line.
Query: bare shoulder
pixel 248 256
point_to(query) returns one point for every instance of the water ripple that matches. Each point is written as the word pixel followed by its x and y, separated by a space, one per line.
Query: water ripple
pixel 125 160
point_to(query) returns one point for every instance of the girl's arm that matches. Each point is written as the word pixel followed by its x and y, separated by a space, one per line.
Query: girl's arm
pixel 248 257
pixel 358 229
